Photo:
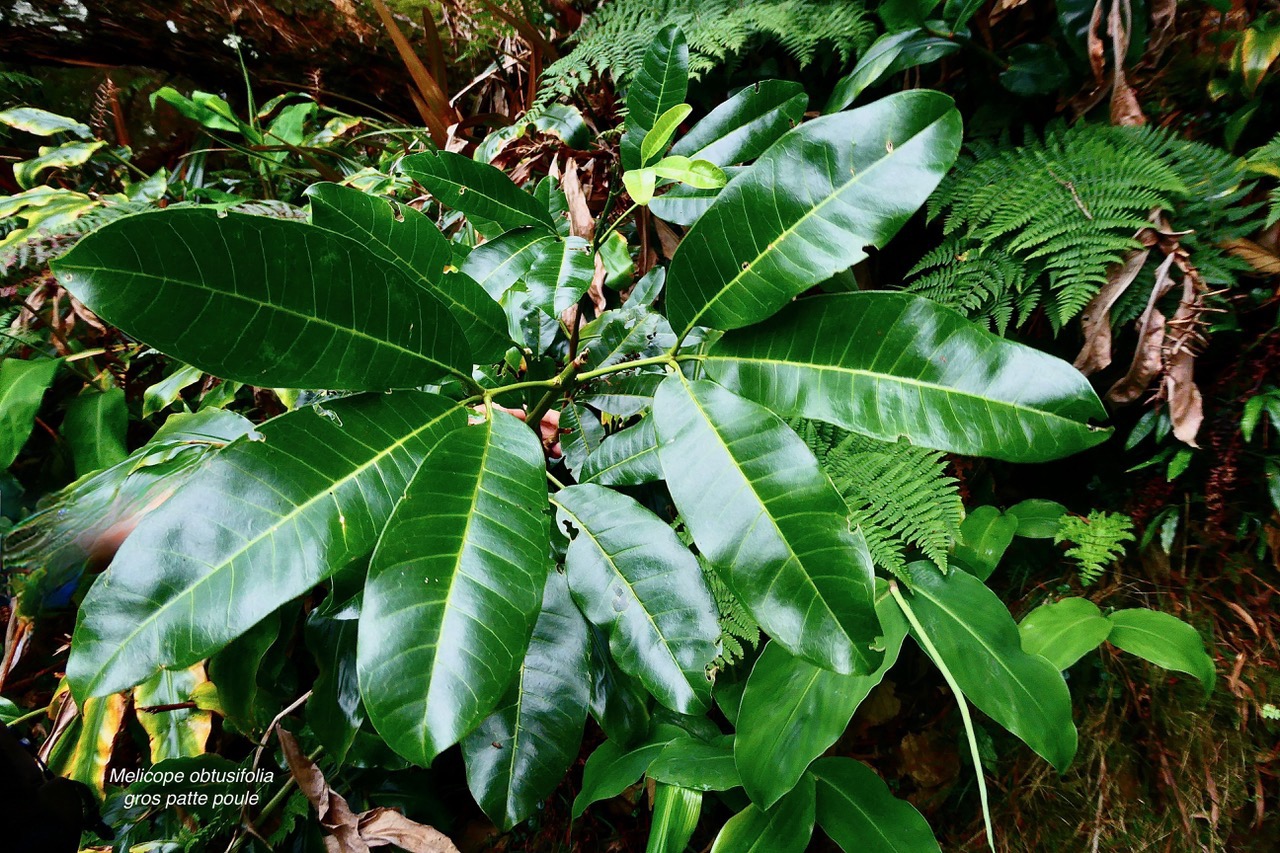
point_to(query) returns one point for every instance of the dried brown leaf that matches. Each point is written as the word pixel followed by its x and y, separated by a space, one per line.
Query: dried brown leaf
pixel 667 238
pixel 1095 322
pixel 348 832
pixel 1148 357
pixel 1259 257
pixel 581 223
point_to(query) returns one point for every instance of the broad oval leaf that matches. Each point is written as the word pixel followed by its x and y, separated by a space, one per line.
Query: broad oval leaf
pixel 985 534
pixel 696 764
pixel 618 702
pixel 744 126
pixel 264 301
pixel 815 200
pixel 501 262
pixel 893 365
pixel 476 189
pixel 626 458
pixel 763 513
pixel 856 808
pixel 1164 640
pixel 891 53
pixel 1065 631
pixel 560 275
pixel 95 426
pixel 661 82
pixel 635 580
pixel 22 387
pixel 264 522
pixel 334 711
pixel 454 588
pixel 979 643
pixel 785 828
pixel 405 237
pixel 611 769
pixel 518 755
pixel 793 711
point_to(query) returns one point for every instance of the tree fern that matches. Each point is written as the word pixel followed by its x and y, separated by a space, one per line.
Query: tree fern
pixel 613 40
pixel 1097 540
pixel 896 493
pixel 1267 160
pixel 738 630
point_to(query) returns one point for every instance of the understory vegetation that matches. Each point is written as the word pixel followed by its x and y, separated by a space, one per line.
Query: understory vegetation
pixel 641 426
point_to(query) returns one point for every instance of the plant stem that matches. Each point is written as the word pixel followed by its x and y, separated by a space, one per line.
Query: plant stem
pixel 30 715
pixel 964 707
pixel 600 240
pixel 665 358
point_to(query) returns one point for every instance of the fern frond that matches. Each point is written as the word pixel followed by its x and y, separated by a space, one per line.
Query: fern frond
pixel 1038 225
pixel 1097 541
pixel 738 630
pixel 612 41
pixel 896 493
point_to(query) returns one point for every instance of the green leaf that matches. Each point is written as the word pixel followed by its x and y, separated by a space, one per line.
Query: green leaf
pixel 889 54
pixel 1037 518
pixel 626 458
pixel 634 579
pixel 209 111
pixel 501 262
pixel 1065 631
pixel 785 828
pixel 816 199
pixel 54 157
pixel 22 387
pixel 889 365
pixel 476 189
pixel 696 764
pixel 266 520
pixel 560 275
pixel 985 535
pixel 407 238
pixel 958 12
pixel 699 174
pixel 454 588
pixel 9 711
pixel 979 643
pixel 659 136
pixel 611 769
pixel 618 702
pixel 660 84
pixel 581 435
pixel 743 127
pixel 1164 640
pixel 763 513
pixel 640 184
pixel 522 750
pixel 856 808
pixel 172 732
pixel 161 395
pixel 40 122
pixel 624 395
pixel 334 711
pixel 1034 69
pixel 264 301
pixel 237 670
pixel 792 711
pixel 95 426
pixel 675 817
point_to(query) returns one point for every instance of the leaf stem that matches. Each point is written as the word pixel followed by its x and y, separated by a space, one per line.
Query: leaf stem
pixel 605 236
pixel 30 715
pixel 964 707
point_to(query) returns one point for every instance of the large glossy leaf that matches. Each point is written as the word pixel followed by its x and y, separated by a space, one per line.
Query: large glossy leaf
pixel 660 84
pixel 626 458
pixel 407 238
pixel 521 751
pixel 1065 631
pixel 761 510
pixel 815 201
pixel 889 54
pixel 890 365
pixel 785 828
pixel 694 763
pixel 476 189
pixel 634 579
pixel 271 302
pixel 743 127
pixel 22 387
pixel 560 275
pixel 1164 640
pixel 675 817
pixel 238 672
pixel 856 808
pixel 264 522
pixel 454 588
pixel 501 262
pixel 979 643
pixel 793 711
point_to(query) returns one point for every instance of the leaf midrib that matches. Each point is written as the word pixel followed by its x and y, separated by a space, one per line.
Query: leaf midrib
pixel 297 512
